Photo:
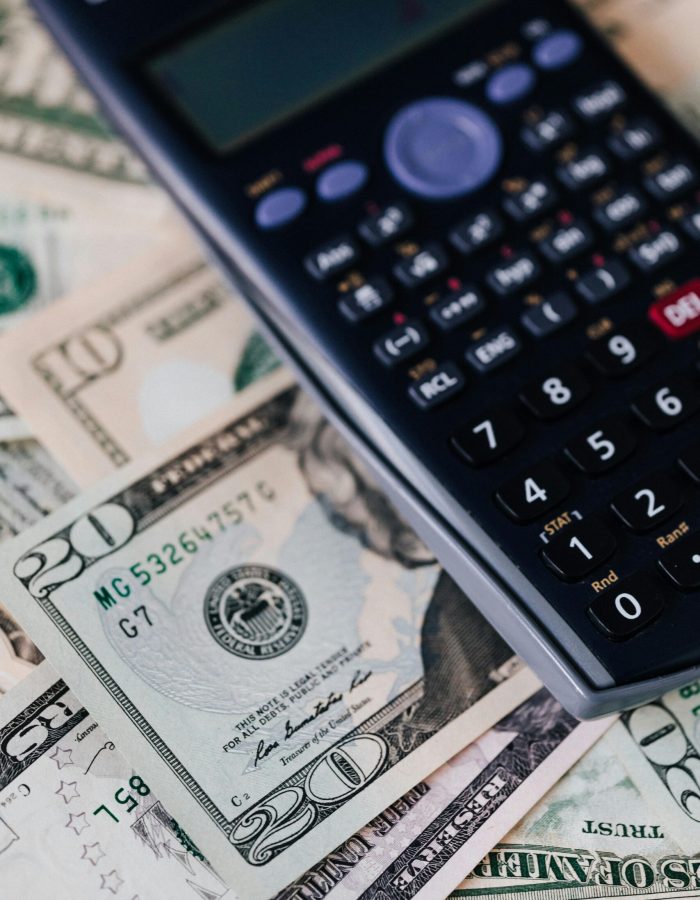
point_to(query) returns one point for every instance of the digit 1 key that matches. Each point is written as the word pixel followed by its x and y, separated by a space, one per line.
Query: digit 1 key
pixel 579 549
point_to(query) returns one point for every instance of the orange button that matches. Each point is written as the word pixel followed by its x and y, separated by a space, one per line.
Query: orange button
pixel 678 314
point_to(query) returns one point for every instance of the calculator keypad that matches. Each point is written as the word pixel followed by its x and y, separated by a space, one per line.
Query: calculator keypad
pixel 532 335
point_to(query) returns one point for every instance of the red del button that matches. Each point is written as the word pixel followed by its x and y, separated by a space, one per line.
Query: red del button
pixel 678 314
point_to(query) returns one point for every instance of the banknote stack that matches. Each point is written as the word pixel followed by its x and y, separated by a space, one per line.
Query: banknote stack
pixel 258 681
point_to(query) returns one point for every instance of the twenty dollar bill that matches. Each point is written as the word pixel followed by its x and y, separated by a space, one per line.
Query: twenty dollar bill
pixel 249 617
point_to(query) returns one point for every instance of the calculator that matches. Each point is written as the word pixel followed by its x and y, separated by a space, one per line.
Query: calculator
pixel 476 236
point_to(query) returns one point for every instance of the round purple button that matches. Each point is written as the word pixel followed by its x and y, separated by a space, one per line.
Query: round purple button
pixel 558 49
pixel 510 83
pixel 341 180
pixel 441 147
pixel 279 207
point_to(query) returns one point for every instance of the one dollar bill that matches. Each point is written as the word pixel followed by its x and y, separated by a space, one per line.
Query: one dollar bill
pixel 249 617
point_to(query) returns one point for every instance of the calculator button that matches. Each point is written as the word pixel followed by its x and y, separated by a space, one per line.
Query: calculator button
pixel 488 438
pixel 510 83
pixel 677 314
pixel 279 207
pixel 566 241
pixel 600 101
pixel 648 503
pixel 681 563
pixel 514 274
pixel 671 181
pixel 526 200
pixel 621 352
pixel 332 258
pixel 552 314
pixel 602 447
pixel 477 231
pixel 604 282
pixel 552 129
pixel 493 350
pixel 620 209
pixel 438 386
pixel 341 180
pixel 668 404
pixel 556 393
pixel 583 170
pixel 534 492
pixel 457 308
pixel 558 49
pixel 634 139
pixel 690 463
pixel 690 223
pixel 390 222
pixel 366 300
pixel 424 265
pixel 659 250
pixel 624 609
pixel 442 147
pixel 579 549
pixel 402 343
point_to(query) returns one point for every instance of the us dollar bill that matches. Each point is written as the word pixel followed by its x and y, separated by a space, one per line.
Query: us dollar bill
pixel 46 116
pixel 76 821
pixel 657 38
pixel 126 362
pixel 624 822
pixel 247 614
pixel 31 486
pixel 89 822
pixel 420 846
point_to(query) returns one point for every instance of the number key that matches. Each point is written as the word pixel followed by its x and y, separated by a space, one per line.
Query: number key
pixel 624 351
pixel 649 502
pixel 579 549
pixel 602 447
pixel 535 492
pixel 556 394
pixel 669 404
pixel 628 607
pixel 488 438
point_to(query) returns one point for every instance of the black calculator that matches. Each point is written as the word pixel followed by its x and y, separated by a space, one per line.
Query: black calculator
pixel 476 236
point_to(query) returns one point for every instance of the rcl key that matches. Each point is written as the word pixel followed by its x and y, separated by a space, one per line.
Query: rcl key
pixel 678 314
pixel 438 386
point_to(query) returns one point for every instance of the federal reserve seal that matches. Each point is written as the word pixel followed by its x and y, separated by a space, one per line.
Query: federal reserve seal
pixel 255 612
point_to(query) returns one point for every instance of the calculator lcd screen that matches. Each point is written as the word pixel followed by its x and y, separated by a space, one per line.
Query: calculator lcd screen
pixel 265 62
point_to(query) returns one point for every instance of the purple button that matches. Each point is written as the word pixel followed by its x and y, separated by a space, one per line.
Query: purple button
pixel 341 180
pixel 442 147
pixel 279 207
pixel 510 83
pixel 558 49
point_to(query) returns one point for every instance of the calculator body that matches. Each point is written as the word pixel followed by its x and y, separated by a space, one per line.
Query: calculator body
pixel 474 234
